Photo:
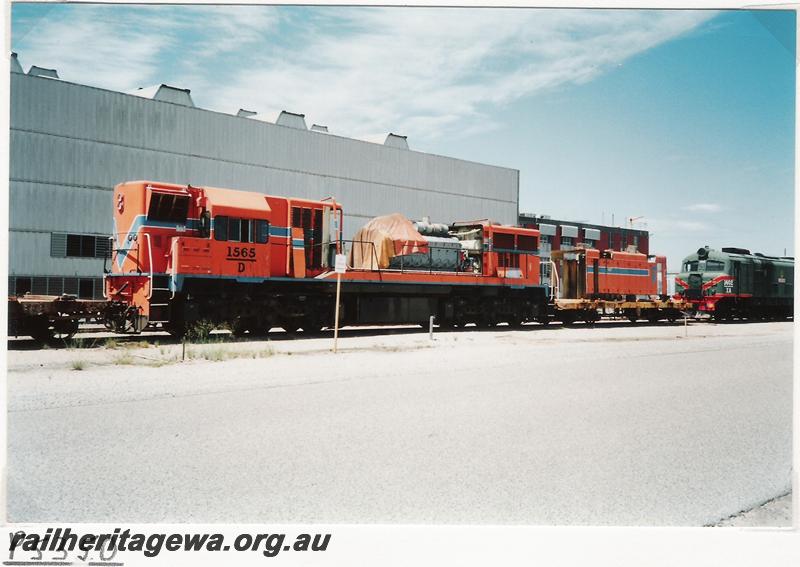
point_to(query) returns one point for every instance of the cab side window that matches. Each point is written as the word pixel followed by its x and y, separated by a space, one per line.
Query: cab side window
pixel 241 230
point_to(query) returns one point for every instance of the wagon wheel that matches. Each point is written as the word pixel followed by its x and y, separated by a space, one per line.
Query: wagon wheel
pixel 44 331
pixel 65 329
pixel 39 329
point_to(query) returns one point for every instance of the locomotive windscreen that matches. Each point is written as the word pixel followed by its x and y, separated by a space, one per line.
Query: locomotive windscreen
pixel 168 207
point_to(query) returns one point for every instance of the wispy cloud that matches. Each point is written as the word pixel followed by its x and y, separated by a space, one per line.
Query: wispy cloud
pixel 676 226
pixel 123 48
pixel 429 73
pixel 703 208
pixel 362 71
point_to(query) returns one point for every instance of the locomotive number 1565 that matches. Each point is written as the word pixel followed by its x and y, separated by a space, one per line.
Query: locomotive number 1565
pixel 241 253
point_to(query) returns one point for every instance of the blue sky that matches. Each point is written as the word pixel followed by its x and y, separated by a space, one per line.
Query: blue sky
pixel 685 118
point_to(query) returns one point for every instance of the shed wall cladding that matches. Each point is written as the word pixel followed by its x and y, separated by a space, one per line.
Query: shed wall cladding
pixel 70 144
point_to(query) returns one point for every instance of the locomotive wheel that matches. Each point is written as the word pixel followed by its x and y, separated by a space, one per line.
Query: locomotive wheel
pixel 177 331
pixel 567 319
pixel 239 327
pixel 311 325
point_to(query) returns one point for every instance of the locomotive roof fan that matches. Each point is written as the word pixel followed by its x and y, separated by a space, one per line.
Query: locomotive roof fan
pixel 702 253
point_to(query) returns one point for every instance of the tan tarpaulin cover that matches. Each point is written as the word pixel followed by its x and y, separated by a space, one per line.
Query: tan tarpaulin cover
pixel 383 238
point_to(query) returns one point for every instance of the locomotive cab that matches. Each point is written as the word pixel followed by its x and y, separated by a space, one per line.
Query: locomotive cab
pixel 164 233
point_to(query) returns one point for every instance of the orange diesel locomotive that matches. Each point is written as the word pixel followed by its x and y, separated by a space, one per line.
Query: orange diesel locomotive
pixel 184 254
pixel 591 284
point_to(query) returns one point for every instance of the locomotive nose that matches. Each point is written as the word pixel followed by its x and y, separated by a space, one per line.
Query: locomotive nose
pixel 694 290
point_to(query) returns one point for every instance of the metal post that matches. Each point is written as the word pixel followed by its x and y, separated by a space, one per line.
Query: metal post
pixel 336 315
pixel 685 325
pixel 183 350
pixel 430 329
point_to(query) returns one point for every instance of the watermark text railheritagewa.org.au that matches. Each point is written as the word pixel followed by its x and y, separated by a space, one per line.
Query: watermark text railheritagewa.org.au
pixel 63 542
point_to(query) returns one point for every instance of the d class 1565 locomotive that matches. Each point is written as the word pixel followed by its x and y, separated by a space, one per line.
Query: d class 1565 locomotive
pixel 183 254
pixel 735 283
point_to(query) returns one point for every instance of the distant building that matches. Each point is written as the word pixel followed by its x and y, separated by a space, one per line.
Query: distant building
pixel 564 235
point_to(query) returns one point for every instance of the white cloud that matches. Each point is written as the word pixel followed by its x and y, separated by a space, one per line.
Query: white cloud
pixel 428 73
pixel 361 71
pixel 122 48
pixel 677 226
pixel 703 208
pixel 93 49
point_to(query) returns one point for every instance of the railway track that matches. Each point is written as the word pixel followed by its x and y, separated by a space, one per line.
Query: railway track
pixel 96 336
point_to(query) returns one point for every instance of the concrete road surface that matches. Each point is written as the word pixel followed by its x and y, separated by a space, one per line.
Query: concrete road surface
pixel 617 424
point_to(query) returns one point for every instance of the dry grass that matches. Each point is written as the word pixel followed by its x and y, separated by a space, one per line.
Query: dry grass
pixel 221 353
pixel 78 365
pixel 123 359
pixel 137 344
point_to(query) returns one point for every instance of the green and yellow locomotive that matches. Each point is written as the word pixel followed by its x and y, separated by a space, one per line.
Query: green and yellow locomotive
pixel 733 283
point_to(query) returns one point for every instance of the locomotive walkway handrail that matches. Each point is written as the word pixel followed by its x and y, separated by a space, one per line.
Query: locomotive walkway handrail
pixel 554 290
pixel 150 265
